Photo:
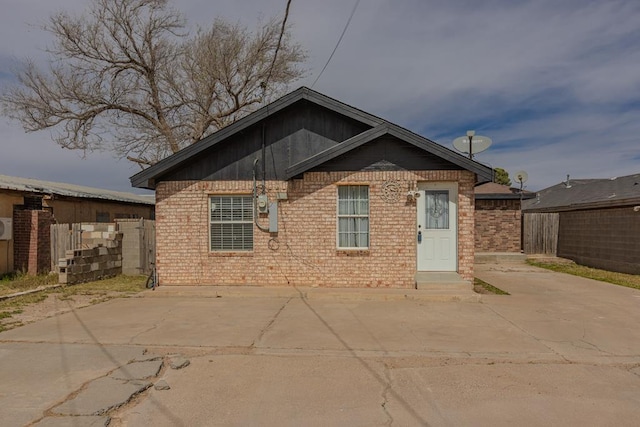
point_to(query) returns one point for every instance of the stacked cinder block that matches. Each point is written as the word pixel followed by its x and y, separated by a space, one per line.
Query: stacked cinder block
pixel 100 262
pixel 95 234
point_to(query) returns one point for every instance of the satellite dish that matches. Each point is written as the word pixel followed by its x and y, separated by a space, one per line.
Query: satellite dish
pixel 479 144
pixel 521 177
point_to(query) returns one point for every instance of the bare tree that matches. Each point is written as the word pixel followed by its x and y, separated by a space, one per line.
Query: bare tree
pixel 129 78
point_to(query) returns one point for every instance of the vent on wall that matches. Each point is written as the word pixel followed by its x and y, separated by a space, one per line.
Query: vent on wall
pixel 5 228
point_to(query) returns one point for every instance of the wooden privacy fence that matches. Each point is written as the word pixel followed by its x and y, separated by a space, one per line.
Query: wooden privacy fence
pixel 138 245
pixel 540 232
pixel 64 237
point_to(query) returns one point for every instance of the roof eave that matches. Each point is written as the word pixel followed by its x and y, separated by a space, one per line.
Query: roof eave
pixel 592 205
pixel 502 196
pixel 146 178
pixel 335 151
pixel 482 171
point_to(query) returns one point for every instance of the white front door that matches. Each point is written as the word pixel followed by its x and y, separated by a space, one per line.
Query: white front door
pixel 437 233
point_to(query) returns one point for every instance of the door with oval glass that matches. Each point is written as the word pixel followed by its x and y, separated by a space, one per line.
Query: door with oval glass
pixel 437 233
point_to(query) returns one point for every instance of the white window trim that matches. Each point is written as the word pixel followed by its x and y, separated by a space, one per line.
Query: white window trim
pixel 338 216
pixel 210 223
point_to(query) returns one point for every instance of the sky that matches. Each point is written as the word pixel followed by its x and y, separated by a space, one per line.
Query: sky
pixel 554 84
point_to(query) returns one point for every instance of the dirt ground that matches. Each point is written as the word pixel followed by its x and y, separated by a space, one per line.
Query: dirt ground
pixel 55 304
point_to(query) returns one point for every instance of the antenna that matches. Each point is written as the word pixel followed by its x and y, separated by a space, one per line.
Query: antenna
pixel 521 177
pixel 472 143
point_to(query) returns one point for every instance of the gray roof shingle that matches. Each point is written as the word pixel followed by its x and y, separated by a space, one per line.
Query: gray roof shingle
pixel 587 193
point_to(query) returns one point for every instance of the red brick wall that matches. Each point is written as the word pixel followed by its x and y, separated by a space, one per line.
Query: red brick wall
pixel 32 241
pixel 498 226
pixel 303 252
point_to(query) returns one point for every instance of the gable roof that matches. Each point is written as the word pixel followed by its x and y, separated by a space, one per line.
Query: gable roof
pixel 587 194
pixel 36 186
pixel 377 127
pixel 495 191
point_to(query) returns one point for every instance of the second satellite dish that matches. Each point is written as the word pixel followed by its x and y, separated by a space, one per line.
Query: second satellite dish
pixel 477 143
pixel 521 177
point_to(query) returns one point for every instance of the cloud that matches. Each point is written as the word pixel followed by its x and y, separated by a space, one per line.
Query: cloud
pixel 554 84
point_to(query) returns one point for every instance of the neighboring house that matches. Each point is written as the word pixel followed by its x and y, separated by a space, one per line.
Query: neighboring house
pixel 310 191
pixel 29 206
pixel 499 218
pixel 598 221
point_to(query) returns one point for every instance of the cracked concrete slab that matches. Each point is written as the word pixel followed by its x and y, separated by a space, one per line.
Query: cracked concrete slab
pixel 145 357
pixel 175 321
pixel 82 421
pixel 178 362
pixel 138 370
pixel 559 350
pixel 100 396
pixel 161 385
pixel 36 376
pixel 249 390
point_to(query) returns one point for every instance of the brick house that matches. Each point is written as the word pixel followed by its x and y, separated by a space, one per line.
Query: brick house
pixel 597 221
pixel 499 218
pixel 310 191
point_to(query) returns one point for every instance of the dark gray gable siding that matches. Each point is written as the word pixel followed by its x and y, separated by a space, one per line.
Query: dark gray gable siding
pixel 430 156
pixel 301 131
pixel 386 153
pixel 291 135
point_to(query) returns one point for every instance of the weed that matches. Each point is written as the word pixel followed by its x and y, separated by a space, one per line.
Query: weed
pixel 482 287
pixel 103 290
pixel 19 282
pixel 621 279
pixel 8 314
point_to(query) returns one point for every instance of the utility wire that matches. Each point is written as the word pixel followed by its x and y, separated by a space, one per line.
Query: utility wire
pixel 275 54
pixel 355 6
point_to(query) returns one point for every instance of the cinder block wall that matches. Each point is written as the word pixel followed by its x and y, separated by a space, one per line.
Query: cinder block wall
pixel 99 262
pixel 602 238
pixel 32 241
pixel 132 246
pixel 304 251
pixel 498 226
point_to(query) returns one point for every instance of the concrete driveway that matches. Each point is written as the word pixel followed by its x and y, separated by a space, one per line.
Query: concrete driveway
pixel 559 351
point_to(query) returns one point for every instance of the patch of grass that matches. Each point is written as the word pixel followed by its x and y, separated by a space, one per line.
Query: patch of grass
pixel 482 287
pixel 19 282
pixel 11 306
pixel 621 279
pixel 103 290
pixel 7 314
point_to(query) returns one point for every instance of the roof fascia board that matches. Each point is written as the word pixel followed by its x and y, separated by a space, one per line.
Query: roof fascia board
pixel 342 108
pixel 500 196
pixel 398 132
pixel 440 151
pixel 144 178
pixel 336 150
pixel 593 205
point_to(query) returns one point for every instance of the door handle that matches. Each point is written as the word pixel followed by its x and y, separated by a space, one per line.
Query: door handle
pixel 419 236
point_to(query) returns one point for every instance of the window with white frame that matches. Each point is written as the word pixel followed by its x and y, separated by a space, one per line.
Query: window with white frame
pixel 353 217
pixel 231 223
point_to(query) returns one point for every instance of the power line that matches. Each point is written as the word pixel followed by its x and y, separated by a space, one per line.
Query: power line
pixel 275 54
pixel 355 6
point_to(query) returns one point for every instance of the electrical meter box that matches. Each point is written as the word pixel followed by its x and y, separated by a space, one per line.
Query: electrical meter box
pixel 263 203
